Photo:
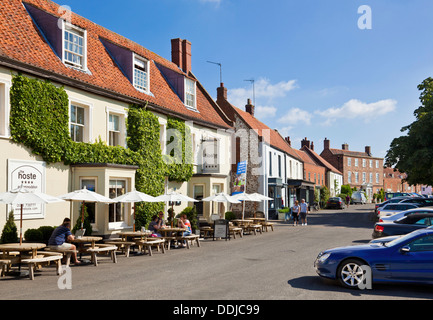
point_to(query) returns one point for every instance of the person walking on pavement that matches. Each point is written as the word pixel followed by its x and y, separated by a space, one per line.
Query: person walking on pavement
pixel 303 212
pixel 295 213
pixel 347 200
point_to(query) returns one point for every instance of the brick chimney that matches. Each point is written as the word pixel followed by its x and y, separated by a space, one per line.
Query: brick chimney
pixel 345 147
pixel 249 107
pixel 305 143
pixel 221 93
pixel 326 144
pixel 288 141
pixel 312 145
pixel 181 54
pixel 368 150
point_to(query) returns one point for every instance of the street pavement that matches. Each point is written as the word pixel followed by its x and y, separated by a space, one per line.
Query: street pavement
pixel 275 265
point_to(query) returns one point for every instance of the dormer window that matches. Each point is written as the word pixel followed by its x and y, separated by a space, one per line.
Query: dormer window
pixel 141 74
pixel 190 96
pixel 74 46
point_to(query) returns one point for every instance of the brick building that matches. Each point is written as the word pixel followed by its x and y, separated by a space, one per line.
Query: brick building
pixel 393 182
pixel 359 169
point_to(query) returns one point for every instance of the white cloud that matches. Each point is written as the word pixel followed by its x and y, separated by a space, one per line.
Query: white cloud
pixel 262 112
pixel 359 110
pixel 296 116
pixel 264 93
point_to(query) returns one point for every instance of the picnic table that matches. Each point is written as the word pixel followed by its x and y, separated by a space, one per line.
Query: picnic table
pixel 171 233
pixel 94 249
pixel 32 260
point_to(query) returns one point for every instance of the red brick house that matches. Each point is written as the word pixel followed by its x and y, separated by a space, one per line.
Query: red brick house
pixel 359 169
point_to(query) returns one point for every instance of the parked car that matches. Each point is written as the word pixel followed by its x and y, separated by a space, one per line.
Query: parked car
pixel 335 203
pixel 405 259
pixel 421 201
pixel 391 208
pixel 359 197
pixel 403 225
pixel 402 214
pixel 390 195
pixel 393 200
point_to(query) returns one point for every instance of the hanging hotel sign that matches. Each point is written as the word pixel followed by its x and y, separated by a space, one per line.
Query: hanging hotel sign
pixel 30 175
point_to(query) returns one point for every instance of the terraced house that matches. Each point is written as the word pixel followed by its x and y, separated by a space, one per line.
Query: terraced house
pixel 81 106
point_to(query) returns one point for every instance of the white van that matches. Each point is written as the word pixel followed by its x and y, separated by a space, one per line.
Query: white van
pixel 359 197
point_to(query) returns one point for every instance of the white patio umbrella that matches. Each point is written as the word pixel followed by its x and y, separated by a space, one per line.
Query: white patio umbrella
pixel 246 197
pixel 133 197
pixel 261 197
pixel 174 197
pixel 221 197
pixel 84 195
pixel 21 196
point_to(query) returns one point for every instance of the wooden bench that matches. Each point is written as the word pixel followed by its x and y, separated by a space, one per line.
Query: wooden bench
pixel 267 224
pixel 102 248
pixel 43 257
pixel 6 263
pixel 148 243
pixel 254 228
pixel 192 238
pixel 67 253
pixel 124 246
pixel 236 230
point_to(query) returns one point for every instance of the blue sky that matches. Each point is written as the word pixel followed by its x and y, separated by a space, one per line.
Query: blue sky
pixel 316 73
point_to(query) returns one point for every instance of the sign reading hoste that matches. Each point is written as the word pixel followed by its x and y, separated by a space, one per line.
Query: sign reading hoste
pixel 30 175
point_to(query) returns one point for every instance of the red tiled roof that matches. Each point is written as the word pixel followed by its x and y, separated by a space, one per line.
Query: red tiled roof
pixel 22 43
pixel 320 160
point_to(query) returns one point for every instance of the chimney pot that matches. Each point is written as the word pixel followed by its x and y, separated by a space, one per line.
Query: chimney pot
pixel 288 141
pixel 305 143
pixel 249 107
pixel 326 143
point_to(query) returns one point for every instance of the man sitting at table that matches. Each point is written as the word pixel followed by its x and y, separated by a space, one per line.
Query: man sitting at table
pixel 60 236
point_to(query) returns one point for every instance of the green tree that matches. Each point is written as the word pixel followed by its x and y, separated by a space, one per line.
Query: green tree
pixel 413 153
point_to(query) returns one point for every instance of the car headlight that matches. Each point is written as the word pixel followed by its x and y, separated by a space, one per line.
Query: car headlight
pixel 322 257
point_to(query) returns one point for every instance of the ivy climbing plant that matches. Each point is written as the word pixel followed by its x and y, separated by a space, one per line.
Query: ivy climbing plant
pixel 39 120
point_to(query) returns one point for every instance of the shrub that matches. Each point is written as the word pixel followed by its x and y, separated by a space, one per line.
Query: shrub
pixel 9 233
pixel 229 215
pixel 33 235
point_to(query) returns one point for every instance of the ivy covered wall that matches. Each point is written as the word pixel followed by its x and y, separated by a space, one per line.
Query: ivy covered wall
pixel 39 120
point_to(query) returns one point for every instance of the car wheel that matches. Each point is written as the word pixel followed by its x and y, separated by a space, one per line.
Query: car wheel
pixel 351 274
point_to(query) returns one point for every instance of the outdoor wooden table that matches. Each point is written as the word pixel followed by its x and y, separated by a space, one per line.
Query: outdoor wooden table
pixel 134 234
pixel 259 220
pixel 169 233
pixel 24 247
pixel 165 231
pixel 29 247
pixel 87 239
pixel 242 222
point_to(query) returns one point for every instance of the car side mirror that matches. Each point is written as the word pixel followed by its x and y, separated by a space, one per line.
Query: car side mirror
pixel 405 249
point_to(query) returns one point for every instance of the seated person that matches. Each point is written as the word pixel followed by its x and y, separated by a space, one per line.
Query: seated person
pixel 183 222
pixel 161 219
pixel 60 237
pixel 155 225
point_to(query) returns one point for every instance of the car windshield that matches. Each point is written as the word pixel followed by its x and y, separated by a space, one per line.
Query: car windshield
pixel 398 241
